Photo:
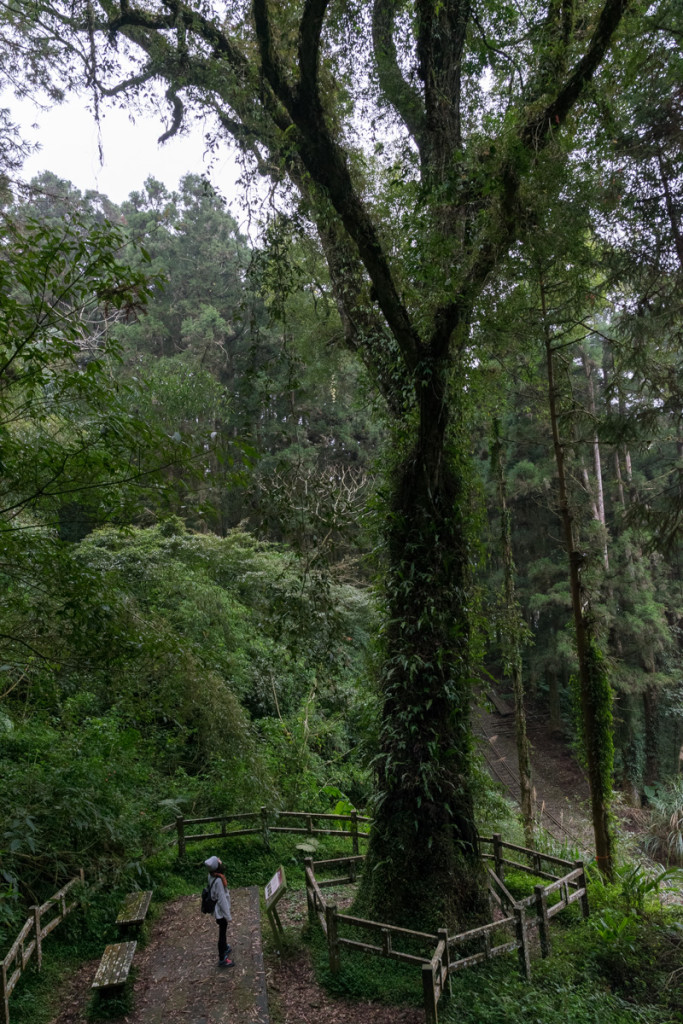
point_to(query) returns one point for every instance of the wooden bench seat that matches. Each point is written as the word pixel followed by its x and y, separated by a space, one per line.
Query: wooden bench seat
pixel 115 965
pixel 134 909
pixel 501 706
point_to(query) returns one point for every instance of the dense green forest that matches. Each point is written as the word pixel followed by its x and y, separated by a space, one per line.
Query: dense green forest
pixel 186 598
pixel 276 511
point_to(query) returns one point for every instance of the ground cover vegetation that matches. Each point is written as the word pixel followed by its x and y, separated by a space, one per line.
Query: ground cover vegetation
pixel 190 427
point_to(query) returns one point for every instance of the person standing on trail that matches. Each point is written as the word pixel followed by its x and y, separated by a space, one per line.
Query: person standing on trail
pixel 218 887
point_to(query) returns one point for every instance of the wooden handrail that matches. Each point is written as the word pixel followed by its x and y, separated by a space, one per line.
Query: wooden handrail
pixel 355 859
pixel 360 922
pixel 551 858
pixel 181 824
pixel 21 952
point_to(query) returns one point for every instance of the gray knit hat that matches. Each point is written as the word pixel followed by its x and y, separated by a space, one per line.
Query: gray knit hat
pixel 213 863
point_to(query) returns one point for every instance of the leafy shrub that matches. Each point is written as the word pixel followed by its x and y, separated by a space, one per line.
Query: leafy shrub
pixel 664 838
pixel 196 674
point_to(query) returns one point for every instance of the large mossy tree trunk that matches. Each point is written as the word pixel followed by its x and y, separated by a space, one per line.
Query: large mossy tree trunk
pixel 423 867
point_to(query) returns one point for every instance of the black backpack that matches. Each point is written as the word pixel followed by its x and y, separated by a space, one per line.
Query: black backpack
pixel 208 902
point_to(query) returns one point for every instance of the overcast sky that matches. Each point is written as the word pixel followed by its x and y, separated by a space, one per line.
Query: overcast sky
pixel 68 136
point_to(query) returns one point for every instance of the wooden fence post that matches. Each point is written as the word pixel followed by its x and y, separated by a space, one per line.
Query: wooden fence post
pixel 332 940
pixel 583 884
pixel 429 993
pixel 180 826
pixel 354 831
pixel 264 827
pixel 498 855
pixel 443 937
pixel 36 927
pixel 520 927
pixel 543 921
pixel 3 992
pixel 310 892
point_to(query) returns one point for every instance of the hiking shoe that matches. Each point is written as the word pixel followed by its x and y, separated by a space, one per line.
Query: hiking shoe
pixel 226 963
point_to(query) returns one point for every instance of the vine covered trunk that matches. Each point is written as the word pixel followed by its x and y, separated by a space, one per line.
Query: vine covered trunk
pixel 423 867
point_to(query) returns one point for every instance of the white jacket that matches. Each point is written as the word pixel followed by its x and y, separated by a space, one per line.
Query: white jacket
pixel 222 897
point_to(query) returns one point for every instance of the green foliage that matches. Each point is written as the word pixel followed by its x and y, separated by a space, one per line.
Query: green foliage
pixel 182 683
pixel 497 996
pixel 664 838
pixel 364 977
pixel 63 428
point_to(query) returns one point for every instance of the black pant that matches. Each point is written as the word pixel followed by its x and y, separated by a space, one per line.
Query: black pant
pixel 222 940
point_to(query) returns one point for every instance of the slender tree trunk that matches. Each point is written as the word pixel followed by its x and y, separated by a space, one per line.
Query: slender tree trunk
pixel 607 371
pixel 670 207
pixel 619 479
pixel 423 864
pixel 595 693
pixel 627 453
pixel 512 640
pixel 599 505
pixel 554 708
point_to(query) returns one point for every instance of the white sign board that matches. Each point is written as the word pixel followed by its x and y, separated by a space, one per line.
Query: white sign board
pixel 275 886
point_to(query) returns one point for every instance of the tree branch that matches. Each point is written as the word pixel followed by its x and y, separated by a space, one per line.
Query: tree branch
pixel 129 83
pixel 139 19
pixel 441 33
pixel 536 132
pixel 310 29
pixel 534 135
pixel 270 62
pixel 326 163
pixel 178 111
pixel 406 101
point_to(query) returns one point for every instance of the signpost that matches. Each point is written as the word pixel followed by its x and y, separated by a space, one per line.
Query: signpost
pixel 275 889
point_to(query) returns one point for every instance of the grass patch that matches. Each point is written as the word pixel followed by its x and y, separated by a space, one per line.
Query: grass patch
pixel 246 861
pixel 37 995
pixel 494 994
pixel 112 1005
pixel 365 976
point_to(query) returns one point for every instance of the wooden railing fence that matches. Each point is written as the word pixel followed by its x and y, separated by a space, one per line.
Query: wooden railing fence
pixel 30 939
pixel 513 928
pixel 265 823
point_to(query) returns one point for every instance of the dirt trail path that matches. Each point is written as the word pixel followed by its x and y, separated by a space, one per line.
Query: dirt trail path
pixel 177 974
pixel 562 796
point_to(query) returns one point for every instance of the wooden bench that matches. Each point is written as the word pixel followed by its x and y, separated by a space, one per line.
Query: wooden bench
pixel 115 965
pixel 134 910
pixel 501 706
